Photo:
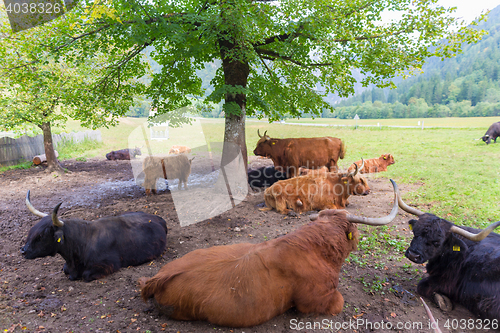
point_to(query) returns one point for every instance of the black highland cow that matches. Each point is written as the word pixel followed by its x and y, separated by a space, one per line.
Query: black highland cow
pixel 463 263
pixel 98 248
pixel 265 177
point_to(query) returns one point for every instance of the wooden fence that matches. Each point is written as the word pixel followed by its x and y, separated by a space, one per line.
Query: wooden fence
pixel 14 151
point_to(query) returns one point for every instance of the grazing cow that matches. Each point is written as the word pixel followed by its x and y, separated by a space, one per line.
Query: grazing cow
pixel 243 285
pixel 492 133
pixel 179 150
pixel 463 263
pixel 95 249
pixel 123 154
pixel 315 192
pixel 290 154
pixel 265 176
pixel 167 167
pixel 375 164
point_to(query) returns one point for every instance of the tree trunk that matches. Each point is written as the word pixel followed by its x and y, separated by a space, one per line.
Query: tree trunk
pixel 235 74
pixel 52 162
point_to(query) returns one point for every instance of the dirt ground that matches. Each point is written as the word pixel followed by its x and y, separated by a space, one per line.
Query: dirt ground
pixel 36 296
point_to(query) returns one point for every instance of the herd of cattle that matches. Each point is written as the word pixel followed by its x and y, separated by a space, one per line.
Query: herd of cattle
pixel 243 285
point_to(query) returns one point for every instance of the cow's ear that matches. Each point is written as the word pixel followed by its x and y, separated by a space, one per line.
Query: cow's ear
pixel 272 142
pixel 59 236
pixel 344 180
pixel 457 245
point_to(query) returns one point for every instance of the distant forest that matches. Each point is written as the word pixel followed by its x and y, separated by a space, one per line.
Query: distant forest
pixel 465 86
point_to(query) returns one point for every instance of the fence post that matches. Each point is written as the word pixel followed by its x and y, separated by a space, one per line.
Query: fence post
pixel 422 125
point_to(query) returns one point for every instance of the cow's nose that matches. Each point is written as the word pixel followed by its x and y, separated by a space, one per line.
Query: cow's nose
pixel 366 192
pixel 412 255
pixel 23 251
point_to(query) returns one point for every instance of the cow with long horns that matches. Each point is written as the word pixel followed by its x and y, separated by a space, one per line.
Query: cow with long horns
pixel 95 249
pixel 463 263
pixel 243 285
pixel 327 190
pixel 293 153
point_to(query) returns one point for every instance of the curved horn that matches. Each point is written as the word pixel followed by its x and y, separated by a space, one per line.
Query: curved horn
pixel 258 133
pixel 353 173
pixel 362 164
pixel 475 237
pixel 33 209
pixel 380 220
pixel 55 220
pixel 407 208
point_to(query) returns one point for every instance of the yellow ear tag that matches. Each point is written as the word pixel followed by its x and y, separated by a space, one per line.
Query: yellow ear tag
pixel 345 181
pixel 349 235
pixel 59 240
pixel 273 143
pixel 456 248
pixel 385 158
pixel 411 227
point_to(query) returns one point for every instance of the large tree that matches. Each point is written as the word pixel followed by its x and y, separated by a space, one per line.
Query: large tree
pixel 278 56
pixel 38 90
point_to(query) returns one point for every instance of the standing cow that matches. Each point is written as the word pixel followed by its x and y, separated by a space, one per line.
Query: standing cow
pixel 492 133
pixel 315 192
pixel 243 285
pixel 167 167
pixel 463 263
pixel 95 249
pixel 291 154
pixel 375 164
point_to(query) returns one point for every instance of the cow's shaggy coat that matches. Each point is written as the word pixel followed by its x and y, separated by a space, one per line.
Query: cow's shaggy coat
pixel 465 270
pixel 314 192
pixel 176 167
pixel 95 249
pixel 375 164
pixel 291 154
pixel 246 284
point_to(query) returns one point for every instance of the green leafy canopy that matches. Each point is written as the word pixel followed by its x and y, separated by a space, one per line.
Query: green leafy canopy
pixel 297 51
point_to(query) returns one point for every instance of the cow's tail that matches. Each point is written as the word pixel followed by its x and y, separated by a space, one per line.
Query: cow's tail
pixel 342 150
pixel 149 287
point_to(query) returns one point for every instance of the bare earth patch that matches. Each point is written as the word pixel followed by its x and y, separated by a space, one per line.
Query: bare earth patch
pixel 35 295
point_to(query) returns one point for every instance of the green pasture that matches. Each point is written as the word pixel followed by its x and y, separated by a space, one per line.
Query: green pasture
pixel 469 122
pixel 458 177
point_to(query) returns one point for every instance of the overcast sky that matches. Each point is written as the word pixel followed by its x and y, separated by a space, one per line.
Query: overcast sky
pixel 469 9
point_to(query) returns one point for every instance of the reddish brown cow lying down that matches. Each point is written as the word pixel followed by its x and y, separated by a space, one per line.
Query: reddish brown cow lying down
pixel 375 164
pixel 328 190
pixel 244 285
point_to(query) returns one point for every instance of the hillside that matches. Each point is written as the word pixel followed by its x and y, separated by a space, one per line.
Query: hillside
pixel 467 85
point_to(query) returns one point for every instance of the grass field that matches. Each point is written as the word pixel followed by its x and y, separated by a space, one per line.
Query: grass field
pixel 460 176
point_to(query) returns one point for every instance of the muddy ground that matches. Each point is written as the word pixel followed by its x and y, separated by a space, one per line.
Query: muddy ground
pixel 36 296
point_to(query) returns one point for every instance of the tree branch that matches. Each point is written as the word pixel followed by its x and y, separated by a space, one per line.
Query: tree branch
pixel 271 55
pixel 281 37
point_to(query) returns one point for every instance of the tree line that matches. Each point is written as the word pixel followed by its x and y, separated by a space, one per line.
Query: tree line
pixel 467 85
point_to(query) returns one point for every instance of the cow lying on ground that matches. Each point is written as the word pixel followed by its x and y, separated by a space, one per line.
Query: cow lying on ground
pixel 98 248
pixel 167 167
pixel 492 133
pixel 123 154
pixel 265 176
pixel 315 192
pixel 243 285
pixel 463 263
pixel 291 154
pixel 375 164
pixel 179 150
pixel 313 172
